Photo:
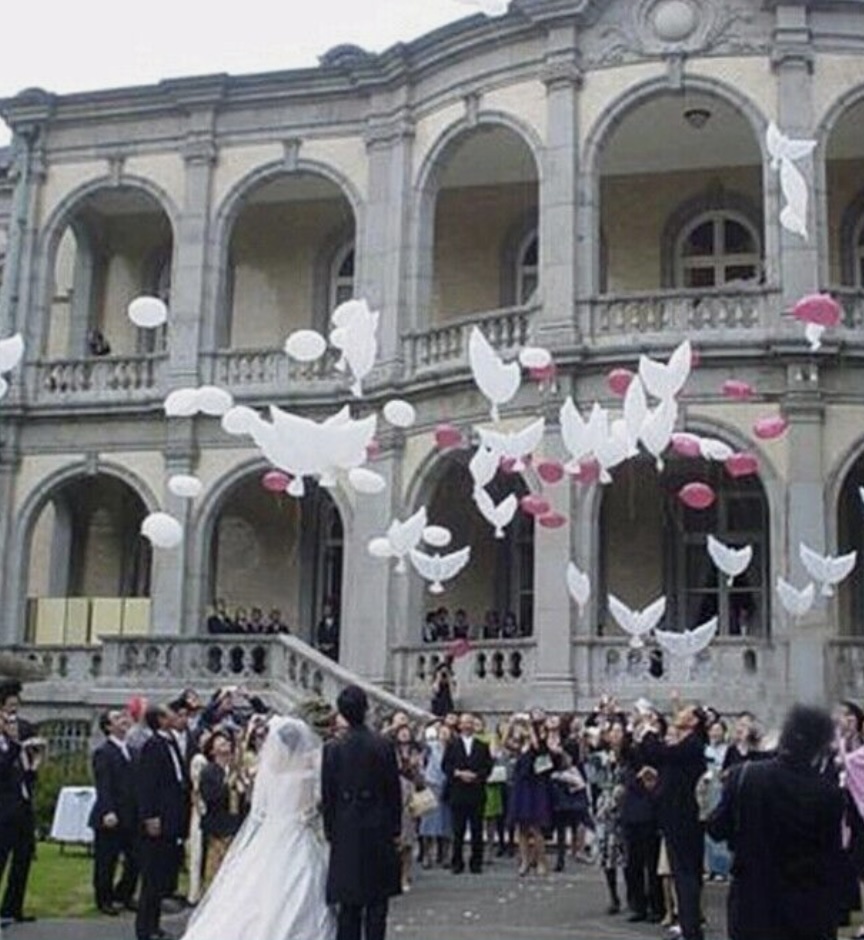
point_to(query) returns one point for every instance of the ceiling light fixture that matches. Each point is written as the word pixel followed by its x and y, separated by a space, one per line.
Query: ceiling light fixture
pixel 697 118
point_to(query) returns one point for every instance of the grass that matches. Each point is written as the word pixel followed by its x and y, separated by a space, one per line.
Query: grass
pixel 60 885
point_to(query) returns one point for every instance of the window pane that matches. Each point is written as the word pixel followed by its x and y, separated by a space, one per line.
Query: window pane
pixel 700 241
pixel 699 277
pixel 700 571
pixel 344 292
pixel 528 287
pixel 737 240
pixel 346 269
pixel 745 613
pixel 744 513
pixel 701 606
pixel 531 254
pixel 739 272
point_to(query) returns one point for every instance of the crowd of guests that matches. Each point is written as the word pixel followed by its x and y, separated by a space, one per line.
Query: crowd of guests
pixel 440 627
pixel 243 623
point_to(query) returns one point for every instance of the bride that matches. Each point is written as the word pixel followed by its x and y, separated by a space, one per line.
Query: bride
pixel 272 883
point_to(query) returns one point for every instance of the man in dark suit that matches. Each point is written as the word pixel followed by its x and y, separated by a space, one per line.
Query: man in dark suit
pixel 114 818
pixel 163 798
pixel 362 810
pixel 467 765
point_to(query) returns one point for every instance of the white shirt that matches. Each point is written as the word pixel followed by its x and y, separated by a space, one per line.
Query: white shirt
pixel 175 760
pixel 468 742
pixel 124 747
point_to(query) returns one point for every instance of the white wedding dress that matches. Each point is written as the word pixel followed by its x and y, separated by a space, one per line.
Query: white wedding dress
pixel 272 883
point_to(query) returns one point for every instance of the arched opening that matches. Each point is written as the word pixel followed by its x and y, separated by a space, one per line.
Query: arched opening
pixel 283 258
pixel 844 166
pixel 497 587
pixel 88 565
pixel 850 537
pixel 651 544
pixel 117 245
pixel 280 556
pixel 484 186
pixel 681 196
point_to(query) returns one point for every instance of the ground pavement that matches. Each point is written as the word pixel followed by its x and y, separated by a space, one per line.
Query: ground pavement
pixel 496 905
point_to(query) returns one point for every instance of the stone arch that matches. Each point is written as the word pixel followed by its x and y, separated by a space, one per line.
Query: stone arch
pixel 842 505
pixel 62 217
pixel 427 187
pixel 228 211
pixel 27 516
pixel 619 109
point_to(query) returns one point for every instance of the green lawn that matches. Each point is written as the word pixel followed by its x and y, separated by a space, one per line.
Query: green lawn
pixel 61 885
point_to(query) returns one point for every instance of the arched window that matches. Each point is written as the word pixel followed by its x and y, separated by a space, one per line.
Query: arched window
pixel 342 277
pixel 858 253
pixel 528 269
pixel 717 248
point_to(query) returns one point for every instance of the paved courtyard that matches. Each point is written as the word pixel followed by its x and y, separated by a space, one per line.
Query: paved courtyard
pixel 494 906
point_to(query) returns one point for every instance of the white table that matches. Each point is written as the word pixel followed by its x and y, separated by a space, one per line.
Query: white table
pixel 71 815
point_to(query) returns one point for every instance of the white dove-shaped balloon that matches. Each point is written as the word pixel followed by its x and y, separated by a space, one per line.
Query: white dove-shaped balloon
pixel 576 432
pixel 795 602
pixel 483 466
pixel 355 335
pixel 403 536
pixel 637 623
pixel 813 333
pixel 712 448
pixel 516 445
pixel 499 515
pixel 827 570
pixel 689 644
pixel 579 586
pixel 731 561
pixel 439 568
pixel 499 382
pixel 11 353
pixel 609 448
pixel 784 152
pixel 657 429
pixel 665 380
pixel 635 412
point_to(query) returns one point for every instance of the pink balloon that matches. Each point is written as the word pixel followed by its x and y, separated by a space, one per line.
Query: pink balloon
pixel 619 381
pixel 544 373
pixel 373 449
pixel 552 520
pixel 742 465
pixel 446 436
pixel 508 465
pixel 459 648
pixel 821 309
pixel 697 495
pixel 534 505
pixel 588 472
pixel 686 445
pixel 769 429
pixel 550 471
pixel 275 481
pixel 734 388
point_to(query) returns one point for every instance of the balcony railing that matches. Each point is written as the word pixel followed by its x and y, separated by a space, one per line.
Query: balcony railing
pixel 267 371
pixel 618 318
pixel 440 347
pixel 117 379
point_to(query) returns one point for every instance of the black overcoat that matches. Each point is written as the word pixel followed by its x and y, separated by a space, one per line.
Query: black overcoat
pixel 460 793
pixel 362 811
pixel 160 795
pixel 115 787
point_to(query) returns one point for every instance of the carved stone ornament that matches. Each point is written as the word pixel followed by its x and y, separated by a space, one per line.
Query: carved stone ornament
pixel 641 29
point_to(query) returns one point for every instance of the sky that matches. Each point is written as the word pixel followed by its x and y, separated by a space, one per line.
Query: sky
pixel 64 46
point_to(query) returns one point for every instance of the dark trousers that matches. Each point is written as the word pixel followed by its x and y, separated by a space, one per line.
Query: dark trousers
pixel 686 863
pixel 108 847
pixel 156 858
pixel 644 890
pixel 362 923
pixel 463 818
pixel 22 847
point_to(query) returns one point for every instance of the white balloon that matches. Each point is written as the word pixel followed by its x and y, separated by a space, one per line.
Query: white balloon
pixel 731 561
pixel 500 515
pixel 185 486
pixel 399 413
pixel 305 345
pixel 366 481
pixel 380 548
pixel 4 387
pixel 403 536
pixel 827 570
pixel 813 333
pixel 437 536
pixel 535 357
pixel 439 568
pixel 182 403
pixel 483 466
pixel 517 445
pixel 714 449
pixel 498 382
pixel 665 380
pixel 356 335
pixel 657 428
pixel 637 624
pixel 148 312
pixel 795 602
pixel 214 401
pixel 579 585
pixel 690 643
pixel 11 352
pixel 162 530
pixel 240 420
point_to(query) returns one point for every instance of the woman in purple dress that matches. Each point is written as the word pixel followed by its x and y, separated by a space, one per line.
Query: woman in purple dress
pixel 530 807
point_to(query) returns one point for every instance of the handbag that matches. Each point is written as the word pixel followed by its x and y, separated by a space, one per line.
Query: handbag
pixel 422 802
pixel 543 764
pixel 498 775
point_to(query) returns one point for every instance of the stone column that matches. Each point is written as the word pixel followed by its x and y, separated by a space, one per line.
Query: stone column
pixel 14 602
pixel 559 193
pixel 552 606
pixel 382 256
pixel 797 262
pixel 9 288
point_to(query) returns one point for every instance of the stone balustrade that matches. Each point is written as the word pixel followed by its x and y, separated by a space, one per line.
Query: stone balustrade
pixel 269 371
pixel 446 346
pixel 670 314
pixel 116 379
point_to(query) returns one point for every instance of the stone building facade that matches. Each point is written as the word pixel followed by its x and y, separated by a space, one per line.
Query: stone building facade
pixel 587 175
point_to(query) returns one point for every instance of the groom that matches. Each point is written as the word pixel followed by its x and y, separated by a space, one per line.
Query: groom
pixel 362 810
